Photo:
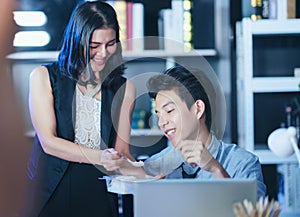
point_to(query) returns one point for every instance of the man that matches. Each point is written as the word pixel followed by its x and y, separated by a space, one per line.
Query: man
pixel 185 117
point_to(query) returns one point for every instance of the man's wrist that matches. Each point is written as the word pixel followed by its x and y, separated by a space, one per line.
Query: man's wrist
pixel 214 167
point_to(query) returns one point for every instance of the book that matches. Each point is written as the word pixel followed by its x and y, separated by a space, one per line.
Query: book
pixel 291 9
pixel 138 119
pixel 177 20
pixel 272 9
pixel 120 7
pixel 160 30
pixel 281 9
pixel 171 27
pixel 129 25
pixel 203 29
pixel 187 25
pixel 167 28
pixel 256 9
pixel 131 21
pixel 153 119
pixel 265 9
pixel 138 26
pixel 193 32
pixel 252 9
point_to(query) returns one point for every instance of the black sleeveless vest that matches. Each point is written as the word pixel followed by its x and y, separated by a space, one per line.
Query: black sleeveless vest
pixel 45 171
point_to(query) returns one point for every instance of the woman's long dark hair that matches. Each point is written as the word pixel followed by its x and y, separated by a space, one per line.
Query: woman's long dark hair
pixel 72 60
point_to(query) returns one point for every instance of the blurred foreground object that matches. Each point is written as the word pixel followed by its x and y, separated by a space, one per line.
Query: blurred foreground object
pixel 262 208
pixel 13 158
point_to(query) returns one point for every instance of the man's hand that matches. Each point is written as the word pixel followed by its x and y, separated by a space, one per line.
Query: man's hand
pixel 195 152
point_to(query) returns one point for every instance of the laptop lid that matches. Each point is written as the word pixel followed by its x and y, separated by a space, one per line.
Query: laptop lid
pixel 191 197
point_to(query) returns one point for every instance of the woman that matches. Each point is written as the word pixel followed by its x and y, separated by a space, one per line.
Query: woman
pixel 80 107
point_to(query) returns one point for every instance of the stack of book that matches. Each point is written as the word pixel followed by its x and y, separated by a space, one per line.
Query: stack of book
pixel 131 21
pixel 269 9
pixel 187 25
pixel 138 119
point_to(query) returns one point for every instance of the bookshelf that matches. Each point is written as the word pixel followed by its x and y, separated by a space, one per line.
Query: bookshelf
pixel 267 53
pixel 144 58
pixel 263 84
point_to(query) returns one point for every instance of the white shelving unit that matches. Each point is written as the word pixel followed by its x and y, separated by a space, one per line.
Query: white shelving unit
pixel 248 84
pixel 128 55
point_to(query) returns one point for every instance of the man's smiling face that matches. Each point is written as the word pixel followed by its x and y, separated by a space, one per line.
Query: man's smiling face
pixel 175 119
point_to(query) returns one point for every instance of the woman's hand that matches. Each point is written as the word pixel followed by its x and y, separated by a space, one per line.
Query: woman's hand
pixel 110 159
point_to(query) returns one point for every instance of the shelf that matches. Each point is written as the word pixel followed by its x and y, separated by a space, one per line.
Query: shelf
pixel 134 133
pixel 268 157
pixel 146 132
pixel 268 26
pixel 166 53
pixel 34 56
pixel 48 56
pixel 276 84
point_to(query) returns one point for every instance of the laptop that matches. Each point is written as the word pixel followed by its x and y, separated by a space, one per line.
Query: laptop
pixel 191 197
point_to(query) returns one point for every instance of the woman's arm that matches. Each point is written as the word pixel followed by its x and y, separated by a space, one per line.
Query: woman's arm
pixel 41 107
pixel 124 128
pixel 123 132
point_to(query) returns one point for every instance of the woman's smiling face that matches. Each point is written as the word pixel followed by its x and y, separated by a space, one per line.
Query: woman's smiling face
pixel 102 46
pixel 175 119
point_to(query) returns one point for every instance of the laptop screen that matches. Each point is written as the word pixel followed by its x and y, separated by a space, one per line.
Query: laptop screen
pixel 191 197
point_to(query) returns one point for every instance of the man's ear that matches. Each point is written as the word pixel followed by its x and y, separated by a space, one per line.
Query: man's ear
pixel 200 108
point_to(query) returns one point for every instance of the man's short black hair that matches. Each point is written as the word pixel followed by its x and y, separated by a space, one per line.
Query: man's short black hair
pixel 184 82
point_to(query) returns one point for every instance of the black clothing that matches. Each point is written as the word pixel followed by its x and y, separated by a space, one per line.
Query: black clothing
pixel 51 176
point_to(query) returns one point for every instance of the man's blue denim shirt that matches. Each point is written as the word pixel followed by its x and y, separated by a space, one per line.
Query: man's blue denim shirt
pixel 239 164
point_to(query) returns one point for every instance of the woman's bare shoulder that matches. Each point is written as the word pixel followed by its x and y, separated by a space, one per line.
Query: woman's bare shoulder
pixel 39 73
pixel 39 78
pixel 130 88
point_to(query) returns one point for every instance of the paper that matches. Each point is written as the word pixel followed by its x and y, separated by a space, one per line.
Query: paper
pixel 136 163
